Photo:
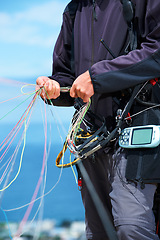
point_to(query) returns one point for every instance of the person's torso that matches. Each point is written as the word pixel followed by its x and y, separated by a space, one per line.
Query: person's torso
pixel 109 26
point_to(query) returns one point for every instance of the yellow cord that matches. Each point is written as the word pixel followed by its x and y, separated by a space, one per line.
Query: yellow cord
pixel 28 92
pixel 61 154
pixel 73 171
pixel 20 164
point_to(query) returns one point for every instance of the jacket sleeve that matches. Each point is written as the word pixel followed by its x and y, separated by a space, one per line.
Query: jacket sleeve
pixel 61 69
pixel 137 66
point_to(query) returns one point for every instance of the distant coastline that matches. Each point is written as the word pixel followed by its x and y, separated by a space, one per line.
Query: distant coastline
pixel 45 230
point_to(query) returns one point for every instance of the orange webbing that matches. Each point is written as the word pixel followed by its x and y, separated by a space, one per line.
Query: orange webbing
pixel 60 155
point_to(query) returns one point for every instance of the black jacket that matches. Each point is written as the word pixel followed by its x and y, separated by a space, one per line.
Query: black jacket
pixel 111 75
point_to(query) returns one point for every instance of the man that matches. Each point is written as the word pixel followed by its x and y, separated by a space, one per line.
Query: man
pixel 98 73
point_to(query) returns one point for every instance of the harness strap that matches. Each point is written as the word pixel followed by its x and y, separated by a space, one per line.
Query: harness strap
pixel 61 154
pixel 128 13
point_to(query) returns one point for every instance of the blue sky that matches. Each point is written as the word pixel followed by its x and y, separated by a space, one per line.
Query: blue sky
pixel 28 30
pixel 28 33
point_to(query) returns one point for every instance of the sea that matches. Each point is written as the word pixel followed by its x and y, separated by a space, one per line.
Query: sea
pixel 59 191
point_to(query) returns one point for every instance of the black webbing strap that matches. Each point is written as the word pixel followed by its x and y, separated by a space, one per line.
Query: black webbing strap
pixel 156 209
pixel 103 141
pixel 128 13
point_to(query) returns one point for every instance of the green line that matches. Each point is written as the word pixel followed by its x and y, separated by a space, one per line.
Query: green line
pixel 17 106
pixel 78 124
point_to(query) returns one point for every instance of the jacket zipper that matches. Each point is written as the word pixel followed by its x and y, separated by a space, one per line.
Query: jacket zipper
pixel 92 35
pixel 94 18
pixel 94 10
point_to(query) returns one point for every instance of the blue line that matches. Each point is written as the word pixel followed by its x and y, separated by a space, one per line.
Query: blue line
pixel 10 235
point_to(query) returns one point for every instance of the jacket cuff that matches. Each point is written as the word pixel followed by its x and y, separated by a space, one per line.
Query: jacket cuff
pixel 93 81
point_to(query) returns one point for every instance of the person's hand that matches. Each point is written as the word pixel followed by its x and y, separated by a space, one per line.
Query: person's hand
pixel 50 89
pixel 82 87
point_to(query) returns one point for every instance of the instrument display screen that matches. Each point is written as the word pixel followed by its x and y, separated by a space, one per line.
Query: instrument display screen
pixel 142 136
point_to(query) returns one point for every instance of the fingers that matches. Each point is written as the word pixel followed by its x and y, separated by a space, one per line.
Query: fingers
pixel 77 91
pixel 50 89
pixel 82 87
pixel 41 81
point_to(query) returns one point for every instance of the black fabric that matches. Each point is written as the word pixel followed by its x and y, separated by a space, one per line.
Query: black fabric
pixel 156 209
pixel 72 8
pixel 144 164
pixel 129 14
pixel 130 76
pixel 64 100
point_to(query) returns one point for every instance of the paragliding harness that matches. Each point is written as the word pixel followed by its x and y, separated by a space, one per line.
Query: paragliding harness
pixel 135 170
pixel 104 136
